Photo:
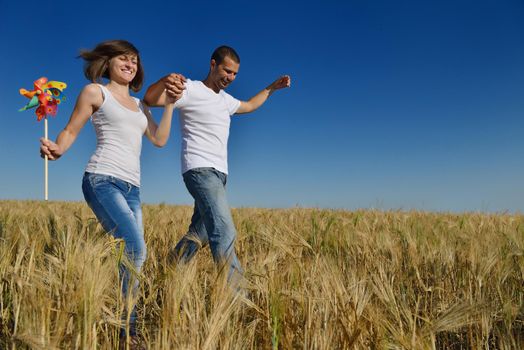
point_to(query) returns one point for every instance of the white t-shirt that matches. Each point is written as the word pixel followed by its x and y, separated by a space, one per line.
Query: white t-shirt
pixel 204 121
pixel 119 133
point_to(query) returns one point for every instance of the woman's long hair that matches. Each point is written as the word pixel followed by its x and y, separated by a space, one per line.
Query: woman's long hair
pixel 97 61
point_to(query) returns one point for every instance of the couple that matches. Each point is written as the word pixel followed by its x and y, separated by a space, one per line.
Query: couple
pixel 111 183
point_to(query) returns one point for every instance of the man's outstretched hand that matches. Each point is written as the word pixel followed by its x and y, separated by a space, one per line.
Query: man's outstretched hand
pixel 282 82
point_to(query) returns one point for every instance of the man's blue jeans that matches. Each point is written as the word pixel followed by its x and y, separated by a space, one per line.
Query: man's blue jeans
pixel 212 222
pixel 116 204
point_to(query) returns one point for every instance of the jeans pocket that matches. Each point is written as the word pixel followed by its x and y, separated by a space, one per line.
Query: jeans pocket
pixel 195 173
pixel 97 179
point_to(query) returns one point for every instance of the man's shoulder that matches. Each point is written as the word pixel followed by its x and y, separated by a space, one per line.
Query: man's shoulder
pixel 193 83
pixel 227 96
pixel 195 87
pixel 190 89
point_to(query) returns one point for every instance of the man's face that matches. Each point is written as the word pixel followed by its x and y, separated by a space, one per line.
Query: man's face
pixel 225 72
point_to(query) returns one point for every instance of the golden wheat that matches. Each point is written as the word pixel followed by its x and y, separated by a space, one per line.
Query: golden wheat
pixel 315 279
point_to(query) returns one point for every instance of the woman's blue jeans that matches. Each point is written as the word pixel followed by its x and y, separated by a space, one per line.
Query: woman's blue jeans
pixel 212 222
pixel 116 204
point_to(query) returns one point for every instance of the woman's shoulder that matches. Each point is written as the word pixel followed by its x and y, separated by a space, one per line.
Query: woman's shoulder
pixel 93 93
pixel 92 90
pixel 91 96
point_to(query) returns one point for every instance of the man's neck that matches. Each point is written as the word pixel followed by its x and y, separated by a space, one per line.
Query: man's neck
pixel 209 83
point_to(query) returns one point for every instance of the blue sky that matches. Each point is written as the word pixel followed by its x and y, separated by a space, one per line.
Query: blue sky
pixel 394 104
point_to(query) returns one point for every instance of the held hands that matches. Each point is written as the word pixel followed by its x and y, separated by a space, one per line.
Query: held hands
pixel 170 99
pixel 174 84
pixel 49 148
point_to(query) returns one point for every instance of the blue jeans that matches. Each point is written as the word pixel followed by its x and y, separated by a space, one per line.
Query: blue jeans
pixel 212 222
pixel 116 204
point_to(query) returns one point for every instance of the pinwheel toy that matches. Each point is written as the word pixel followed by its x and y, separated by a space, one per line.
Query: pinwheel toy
pixel 46 96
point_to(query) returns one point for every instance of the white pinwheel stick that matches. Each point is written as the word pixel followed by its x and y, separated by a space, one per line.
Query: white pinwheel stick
pixel 46 173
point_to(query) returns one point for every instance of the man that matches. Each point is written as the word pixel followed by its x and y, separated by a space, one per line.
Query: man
pixel 205 111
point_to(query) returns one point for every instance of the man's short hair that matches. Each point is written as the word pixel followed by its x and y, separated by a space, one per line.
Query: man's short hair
pixel 224 51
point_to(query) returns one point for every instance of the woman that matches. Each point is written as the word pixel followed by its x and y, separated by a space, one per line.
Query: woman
pixel 111 183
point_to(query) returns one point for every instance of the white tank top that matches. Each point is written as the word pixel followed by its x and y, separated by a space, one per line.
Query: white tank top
pixel 119 132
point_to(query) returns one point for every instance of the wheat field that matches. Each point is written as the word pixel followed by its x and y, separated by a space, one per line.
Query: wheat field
pixel 314 279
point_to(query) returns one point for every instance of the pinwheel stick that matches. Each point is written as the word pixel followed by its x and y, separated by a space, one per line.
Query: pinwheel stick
pixel 45 163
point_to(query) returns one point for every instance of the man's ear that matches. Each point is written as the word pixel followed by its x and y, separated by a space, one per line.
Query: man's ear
pixel 213 63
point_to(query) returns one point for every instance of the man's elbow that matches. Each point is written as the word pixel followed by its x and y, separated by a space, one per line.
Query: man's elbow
pixel 245 107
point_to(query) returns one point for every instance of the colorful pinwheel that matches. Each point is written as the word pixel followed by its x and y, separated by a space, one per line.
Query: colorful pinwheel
pixel 46 95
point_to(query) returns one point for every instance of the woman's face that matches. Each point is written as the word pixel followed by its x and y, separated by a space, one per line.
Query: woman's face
pixel 122 68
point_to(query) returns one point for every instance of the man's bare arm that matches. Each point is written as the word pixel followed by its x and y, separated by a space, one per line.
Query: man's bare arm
pixel 258 100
